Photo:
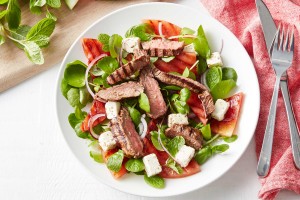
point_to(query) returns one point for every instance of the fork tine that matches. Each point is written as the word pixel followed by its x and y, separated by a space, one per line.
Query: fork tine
pixel 287 41
pixel 275 40
pixel 281 38
pixel 292 41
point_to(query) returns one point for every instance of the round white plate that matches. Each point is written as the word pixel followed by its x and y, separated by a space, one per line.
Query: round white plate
pixel 233 54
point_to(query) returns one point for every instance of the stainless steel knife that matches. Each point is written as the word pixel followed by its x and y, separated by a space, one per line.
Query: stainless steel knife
pixel 269 30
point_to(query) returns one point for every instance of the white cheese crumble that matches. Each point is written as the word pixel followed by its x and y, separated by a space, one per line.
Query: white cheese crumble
pixel 221 108
pixel 107 141
pixel 184 155
pixel 177 119
pixel 112 109
pixel 214 60
pixel 152 166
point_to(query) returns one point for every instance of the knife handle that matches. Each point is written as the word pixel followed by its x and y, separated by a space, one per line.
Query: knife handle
pixel 294 131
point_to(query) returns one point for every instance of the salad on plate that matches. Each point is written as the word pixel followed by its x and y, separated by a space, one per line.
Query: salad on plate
pixel 156 101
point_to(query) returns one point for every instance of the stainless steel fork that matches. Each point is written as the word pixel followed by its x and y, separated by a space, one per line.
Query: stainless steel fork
pixel 282 56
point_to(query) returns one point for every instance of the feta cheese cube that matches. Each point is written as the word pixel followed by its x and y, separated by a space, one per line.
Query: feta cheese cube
pixel 112 109
pixel 152 166
pixel 107 141
pixel 214 60
pixel 189 48
pixel 177 119
pixel 221 108
pixel 184 155
pixel 129 44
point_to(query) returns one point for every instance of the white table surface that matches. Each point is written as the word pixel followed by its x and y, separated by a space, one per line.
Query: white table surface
pixel 37 164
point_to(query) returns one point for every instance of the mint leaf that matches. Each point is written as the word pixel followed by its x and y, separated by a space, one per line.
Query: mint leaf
pixel 34 9
pixel 213 76
pixel 53 3
pixel 13 14
pixel 135 115
pixel 154 140
pixel 104 39
pixel 41 40
pixel 144 102
pixel 97 156
pixel 175 144
pixel 2 13
pixel 135 165
pixel 222 89
pixel 173 165
pixel 188 74
pixel 184 94
pixel 51 15
pixel 43 27
pixel 114 162
pixel 73 97
pixel 219 148
pixel 33 52
pixel 230 139
pixel 73 120
pixel 115 43
pixel 75 73
pixel 155 181
pixel 229 73
pixel 3 1
pixel 40 3
pixel 206 132
pixel 20 33
pixel 201 44
pixel 203 155
pixel 186 31
pixel 108 64
pixel 142 31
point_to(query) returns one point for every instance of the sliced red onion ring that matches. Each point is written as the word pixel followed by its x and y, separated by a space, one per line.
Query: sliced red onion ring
pixel 203 79
pixel 160 30
pixel 143 127
pixel 222 44
pixel 91 122
pixel 87 73
pixel 164 148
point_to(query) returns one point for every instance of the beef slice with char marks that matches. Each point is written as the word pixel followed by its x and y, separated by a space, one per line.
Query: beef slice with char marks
pixel 163 48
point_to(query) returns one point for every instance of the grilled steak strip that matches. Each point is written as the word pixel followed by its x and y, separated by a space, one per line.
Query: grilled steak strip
pixel 124 131
pixel 157 104
pixel 192 136
pixel 118 92
pixel 141 59
pixel 161 48
pixel 192 85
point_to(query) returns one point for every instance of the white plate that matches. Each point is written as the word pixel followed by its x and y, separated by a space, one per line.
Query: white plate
pixel 233 54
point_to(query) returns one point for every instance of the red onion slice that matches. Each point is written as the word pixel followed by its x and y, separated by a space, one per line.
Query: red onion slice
pixel 160 30
pixel 91 122
pixel 164 148
pixel 144 126
pixel 87 73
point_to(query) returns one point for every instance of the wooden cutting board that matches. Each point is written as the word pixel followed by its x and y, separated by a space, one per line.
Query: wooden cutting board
pixel 15 66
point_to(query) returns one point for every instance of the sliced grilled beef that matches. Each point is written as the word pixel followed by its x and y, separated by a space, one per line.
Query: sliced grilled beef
pixel 123 129
pixel 161 48
pixel 157 104
pixel 192 85
pixel 141 59
pixel 192 136
pixel 122 91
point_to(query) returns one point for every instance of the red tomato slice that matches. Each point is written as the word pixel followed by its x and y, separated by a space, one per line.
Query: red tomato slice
pixel 92 48
pixel 227 125
pixel 197 107
pixel 97 108
pixel 168 29
pixel 123 170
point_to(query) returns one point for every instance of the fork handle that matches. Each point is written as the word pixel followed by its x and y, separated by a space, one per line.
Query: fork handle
pixel 294 131
pixel 264 161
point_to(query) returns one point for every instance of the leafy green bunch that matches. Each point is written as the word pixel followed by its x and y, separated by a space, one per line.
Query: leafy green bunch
pixel 31 39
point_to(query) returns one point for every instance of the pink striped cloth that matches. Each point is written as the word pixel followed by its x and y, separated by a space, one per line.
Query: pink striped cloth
pixel 241 17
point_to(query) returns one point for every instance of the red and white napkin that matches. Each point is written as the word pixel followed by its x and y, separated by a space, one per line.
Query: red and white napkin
pixel 241 17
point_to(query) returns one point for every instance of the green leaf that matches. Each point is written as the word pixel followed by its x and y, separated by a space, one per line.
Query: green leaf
pixel 20 33
pixel 154 140
pixel 84 96
pixel 2 13
pixel 34 9
pixel 201 44
pixel 155 181
pixel 170 87
pixel 213 76
pixel 80 133
pixel 108 64
pixel 153 59
pixel 79 114
pixel 114 162
pixel 173 165
pixel 175 144
pixel 206 132
pixel 75 73
pixel 44 27
pixel 135 165
pixel 203 155
pixel 219 148
pixel 144 102
pixel 54 3
pixel 142 31
pixel 64 87
pixel 230 139
pixel 73 97
pixel 181 107
pixel 97 156
pixel 104 39
pixel 33 52
pixel 73 120
pixel 229 73
pixel 2 39
pixel 41 40
pixel 135 115
pixel 51 15
pixel 115 43
pixel 71 3
pixel 3 1
pixel 184 94
pixel 40 3
pixel 202 66
pixel 186 31
pixel 168 59
pixel 13 14
pixel 188 74
pixel 222 89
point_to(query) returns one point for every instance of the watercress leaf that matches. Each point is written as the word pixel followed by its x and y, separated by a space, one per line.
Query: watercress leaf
pixel 144 102
pixel 155 181
pixel 75 73
pixel 222 89
pixel 43 27
pixel 79 132
pixel 135 115
pixel 73 97
pixel 108 64
pixel 202 66
pixel 33 52
pixel 201 44
pixel 173 165
pixel 142 31
pixel 155 142
pixel 213 76
pixel 203 155
pixel 168 59
pixel 184 94
pixel 3 1
pixel 78 113
pixel 153 59
pixel 64 87
pixel 115 43
pixel 188 74
pixel 135 165
pixel 229 73
pixel 104 39
pixel 96 71
pixel 84 96
pixel 206 132
pixel 230 139
pixel 2 39
pixel 73 120
pixel 53 3
pixel 13 14
pixel 220 148
pixel 114 162
pixel 175 144
pixel 97 156
pixel 40 3
pixel 186 31
pixel 2 13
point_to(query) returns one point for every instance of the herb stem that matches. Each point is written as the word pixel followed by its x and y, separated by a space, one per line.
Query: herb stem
pixel 212 140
